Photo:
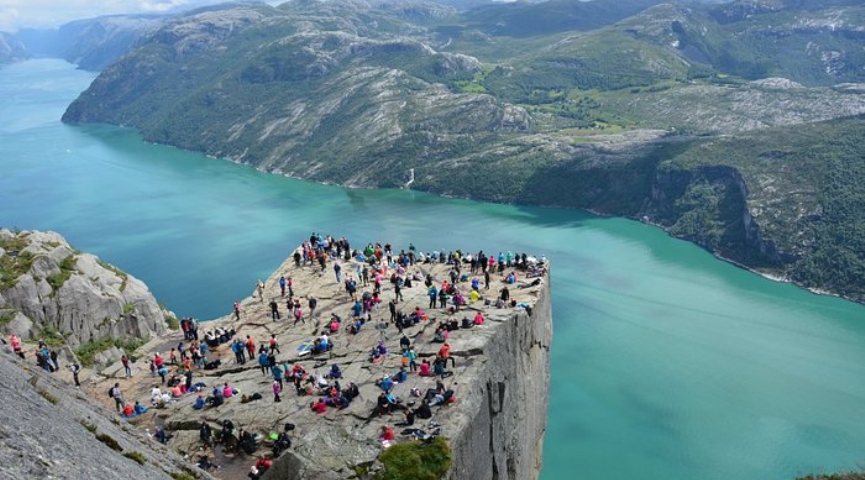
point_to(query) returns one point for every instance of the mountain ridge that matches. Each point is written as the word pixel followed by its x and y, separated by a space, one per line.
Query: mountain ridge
pixel 353 94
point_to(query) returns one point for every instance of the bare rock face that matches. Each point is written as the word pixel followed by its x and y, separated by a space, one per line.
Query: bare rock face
pixel 52 431
pixel 46 285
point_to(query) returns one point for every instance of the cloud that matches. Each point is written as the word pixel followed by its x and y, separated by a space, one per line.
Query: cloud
pixel 17 14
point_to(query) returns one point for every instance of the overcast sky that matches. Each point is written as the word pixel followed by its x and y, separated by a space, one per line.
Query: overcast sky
pixel 16 14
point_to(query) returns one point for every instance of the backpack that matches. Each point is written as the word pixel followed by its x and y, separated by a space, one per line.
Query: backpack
pixel 111 392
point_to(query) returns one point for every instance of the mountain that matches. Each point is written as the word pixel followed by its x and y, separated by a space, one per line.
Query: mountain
pixel 579 104
pixel 91 43
pixel 11 49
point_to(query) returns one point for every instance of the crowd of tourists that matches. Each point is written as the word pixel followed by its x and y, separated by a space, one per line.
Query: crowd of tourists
pixel 367 275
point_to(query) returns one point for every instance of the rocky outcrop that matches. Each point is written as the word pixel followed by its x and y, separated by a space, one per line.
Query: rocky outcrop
pixel 49 288
pixel 501 377
pixel 52 431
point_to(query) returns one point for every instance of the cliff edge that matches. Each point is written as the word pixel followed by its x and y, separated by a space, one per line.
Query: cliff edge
pixel 53 292
pixel 498 376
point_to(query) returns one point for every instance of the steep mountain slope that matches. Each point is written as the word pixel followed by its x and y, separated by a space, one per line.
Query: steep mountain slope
pixel 362 95
pixel 11 49
pixel 50 291
pixel 53 431
pixel 92 43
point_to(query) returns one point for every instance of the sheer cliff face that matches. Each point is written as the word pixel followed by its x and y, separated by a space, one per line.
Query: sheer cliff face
pixel 495 428
pixel 46 285
pixel 503 416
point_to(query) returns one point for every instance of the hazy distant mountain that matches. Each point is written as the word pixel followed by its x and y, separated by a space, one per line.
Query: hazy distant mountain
pixel 685 114
pixel 11 49
pixel 91 43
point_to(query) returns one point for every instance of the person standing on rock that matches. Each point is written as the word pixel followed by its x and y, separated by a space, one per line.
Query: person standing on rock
pixel 263 362
pixel 205 433
pixel 392 308
pixel 364 275
pixel 76 369
pixel 397 290
pixel 298 314
pixel 282 284
pixel 412 359
pixel 126 368
pixel 274 346
pixel 313 302
pixel 237 310
pixel 274 310
pixel 15 341
pixel 250 346
pixel 117 395
pixel 337 270
pixel 277 373
pixel 53 357
pixel 433 296
pixel 277 390
pixel 445 354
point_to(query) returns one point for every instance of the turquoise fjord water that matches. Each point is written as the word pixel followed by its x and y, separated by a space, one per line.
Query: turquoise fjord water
pixel 666 363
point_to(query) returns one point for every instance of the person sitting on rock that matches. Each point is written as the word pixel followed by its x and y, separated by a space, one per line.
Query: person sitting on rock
pixel 204 463
pixel 263 465
pixel 199 402
pixel 334 324
pixel 423 411
pixel 441 334
pixel 161 435
pixel 138 409
pixel 334 372
pixel 386 434
pixel 318 406
pixel 282 443
pixel 385 383
pixel 351 392
pixel 425 369
pixel 401 376
pixel 227 391
pixel 128 411
pixel 216 399
pixel 382 405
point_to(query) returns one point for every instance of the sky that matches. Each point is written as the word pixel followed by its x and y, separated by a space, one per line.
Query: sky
pixel 17 14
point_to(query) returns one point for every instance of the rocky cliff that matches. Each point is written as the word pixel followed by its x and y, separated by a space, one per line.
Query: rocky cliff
pixel 53 431
pixel 50 291
pixel 501 376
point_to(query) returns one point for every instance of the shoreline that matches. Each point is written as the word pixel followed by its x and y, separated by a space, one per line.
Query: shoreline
pixel 641 219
